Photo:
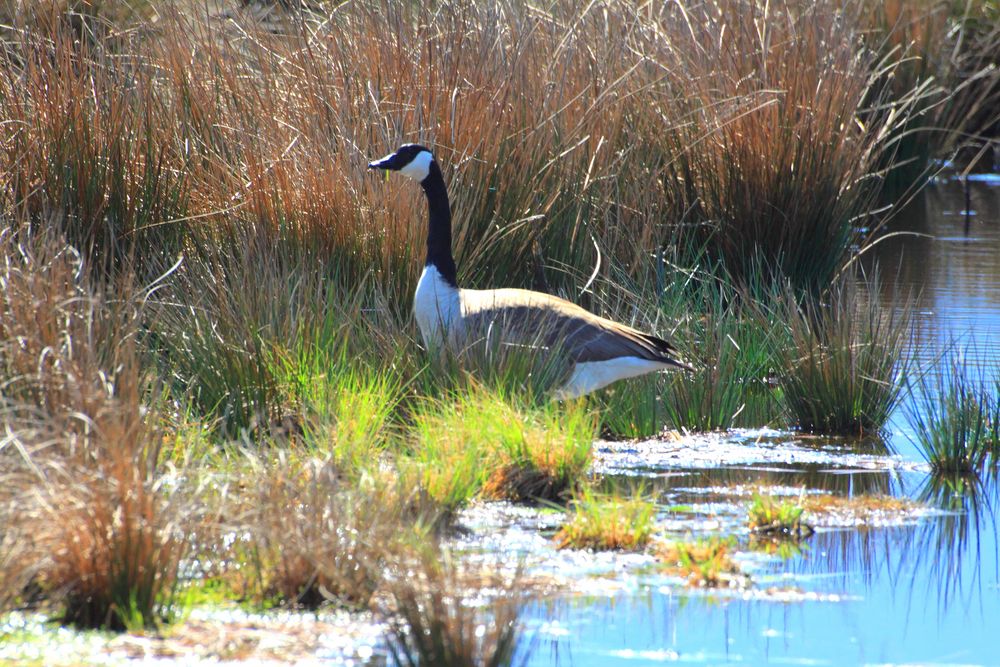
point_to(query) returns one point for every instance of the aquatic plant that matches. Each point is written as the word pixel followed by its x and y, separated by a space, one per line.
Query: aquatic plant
pixel 777 517
pixel 703 562
pixel 954 413
pixel 432 621
pixel 846 353
pixel 607 521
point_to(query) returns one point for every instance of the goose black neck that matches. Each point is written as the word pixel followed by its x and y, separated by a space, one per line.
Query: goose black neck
pixel 439 225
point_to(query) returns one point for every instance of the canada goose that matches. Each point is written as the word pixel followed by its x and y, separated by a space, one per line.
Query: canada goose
pixel 600 350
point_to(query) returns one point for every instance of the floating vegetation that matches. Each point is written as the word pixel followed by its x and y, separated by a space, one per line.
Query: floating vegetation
pixel 860 509
pixel 705 562
pixel 603 522
pixel 777 517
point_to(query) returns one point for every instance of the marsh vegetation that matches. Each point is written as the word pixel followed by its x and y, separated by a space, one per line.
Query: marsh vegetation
pixel 209 375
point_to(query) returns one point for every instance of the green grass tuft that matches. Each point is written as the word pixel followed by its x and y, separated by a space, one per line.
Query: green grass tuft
pixel 777 517
pixel 841 371
pixel 705 562
pixel 954 412
pixel 603 522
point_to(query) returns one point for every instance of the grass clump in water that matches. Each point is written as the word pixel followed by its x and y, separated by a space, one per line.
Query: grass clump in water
pixel 777 517
pixel 841 368
pixel 608 522
pixel 705 562
pixel 955 416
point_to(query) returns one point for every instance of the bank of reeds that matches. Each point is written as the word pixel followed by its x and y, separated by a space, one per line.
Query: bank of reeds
pixel 218 127
pixel 941 57
pixel 741 180
pixel 733 350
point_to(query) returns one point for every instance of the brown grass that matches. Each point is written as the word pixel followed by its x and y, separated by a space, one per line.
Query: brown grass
pixel 99 531
pixel 314 537
pixel 432 621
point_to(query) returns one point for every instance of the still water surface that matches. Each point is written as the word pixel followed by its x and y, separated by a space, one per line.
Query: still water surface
pixel 923 590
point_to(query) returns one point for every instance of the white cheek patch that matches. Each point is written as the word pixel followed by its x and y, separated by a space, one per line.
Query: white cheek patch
pixel 419 166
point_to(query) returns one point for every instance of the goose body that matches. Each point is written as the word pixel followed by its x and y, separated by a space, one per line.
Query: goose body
pixel 600 350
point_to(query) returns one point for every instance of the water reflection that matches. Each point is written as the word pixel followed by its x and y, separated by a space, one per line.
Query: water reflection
pixel 952 270
pixel 925 591
pixel 908 593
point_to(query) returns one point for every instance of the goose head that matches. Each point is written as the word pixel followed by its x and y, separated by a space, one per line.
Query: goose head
pixel 411 160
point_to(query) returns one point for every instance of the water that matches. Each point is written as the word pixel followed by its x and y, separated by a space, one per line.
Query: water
pixel 916 588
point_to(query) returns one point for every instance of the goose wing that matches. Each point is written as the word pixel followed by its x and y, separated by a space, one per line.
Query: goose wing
pixel 534 318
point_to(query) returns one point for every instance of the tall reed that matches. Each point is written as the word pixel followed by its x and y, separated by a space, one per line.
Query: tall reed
pixel 766 165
